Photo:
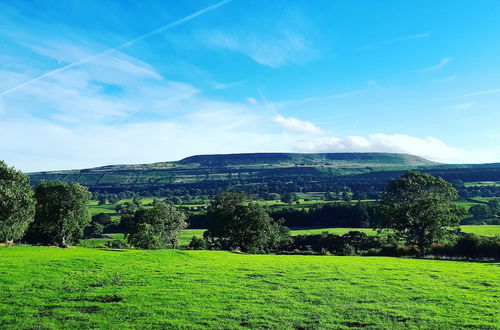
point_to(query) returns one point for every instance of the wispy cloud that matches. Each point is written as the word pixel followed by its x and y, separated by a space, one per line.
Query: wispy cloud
pixel 443 62
pixel 126 44
pixel 252 100
pixel 395 40
pixel 282 48
pixel 485 92
pixel 462 106
pixel 295 125
pixel 449 78
pixel 227 85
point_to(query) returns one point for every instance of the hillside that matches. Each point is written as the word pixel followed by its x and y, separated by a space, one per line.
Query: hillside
pixel 265 172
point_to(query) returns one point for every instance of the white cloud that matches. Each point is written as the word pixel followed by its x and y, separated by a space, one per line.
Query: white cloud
pixel 485 92
pixel 396 40
pixel 252 100
pixel 443 62
pixel 430 147
pixel 462 106
pixel 281 49
pixel 295 125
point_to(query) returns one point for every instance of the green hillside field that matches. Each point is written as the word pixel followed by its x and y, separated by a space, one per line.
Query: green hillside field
pixel 95 288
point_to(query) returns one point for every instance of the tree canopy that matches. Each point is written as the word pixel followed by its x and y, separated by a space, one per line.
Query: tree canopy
pixel 419 207
pixel 236 223
pixel 61 213
pixel 17 205
pixel 156 227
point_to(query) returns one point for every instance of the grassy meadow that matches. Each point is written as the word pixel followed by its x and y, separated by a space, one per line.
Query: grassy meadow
pixel 96 288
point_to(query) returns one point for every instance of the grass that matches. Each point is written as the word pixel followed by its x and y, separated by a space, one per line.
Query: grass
pixel 92 288
pixel 483 230
pixel 482 184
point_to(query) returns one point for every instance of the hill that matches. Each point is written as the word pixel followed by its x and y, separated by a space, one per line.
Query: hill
pixel 265 172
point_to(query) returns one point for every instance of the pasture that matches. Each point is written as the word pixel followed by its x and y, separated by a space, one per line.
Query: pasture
pixel 95 288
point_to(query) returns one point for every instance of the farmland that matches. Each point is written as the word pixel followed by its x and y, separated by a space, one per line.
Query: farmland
pixel 93 288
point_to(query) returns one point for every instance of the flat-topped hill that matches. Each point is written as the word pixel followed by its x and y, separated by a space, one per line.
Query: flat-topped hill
pixel 307 159
pixel 257 172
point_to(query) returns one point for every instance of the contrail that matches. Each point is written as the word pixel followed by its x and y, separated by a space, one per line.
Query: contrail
pixel 126 44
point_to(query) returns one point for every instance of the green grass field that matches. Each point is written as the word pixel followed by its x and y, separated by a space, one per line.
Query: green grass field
pixel 483 230
pixel 45 287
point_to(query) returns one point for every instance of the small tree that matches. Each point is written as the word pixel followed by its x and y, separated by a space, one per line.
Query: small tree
pixel 289 198
pixel 346 197
pixel 61 213
pixel 156 227
pixel 480 211
pixel 97 225
pixel 419 207
pixel 235 223
pixel 17 206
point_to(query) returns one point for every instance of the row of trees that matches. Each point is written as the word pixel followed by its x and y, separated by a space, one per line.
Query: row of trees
pixel 417 207
pixel 52 213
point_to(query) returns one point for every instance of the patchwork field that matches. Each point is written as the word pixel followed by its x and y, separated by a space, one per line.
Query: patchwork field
pixel 94 288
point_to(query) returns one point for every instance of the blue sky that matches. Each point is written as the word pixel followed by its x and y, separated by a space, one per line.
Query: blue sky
pixel 88 83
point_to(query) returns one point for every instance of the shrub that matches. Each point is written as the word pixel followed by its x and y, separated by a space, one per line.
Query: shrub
pixel 116 244
pixel 197 243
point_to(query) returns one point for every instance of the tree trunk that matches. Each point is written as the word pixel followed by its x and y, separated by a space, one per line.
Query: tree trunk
pixel 9 242
pixel 421 246
pixel 63 243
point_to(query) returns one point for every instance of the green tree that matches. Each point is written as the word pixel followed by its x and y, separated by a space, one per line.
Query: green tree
pixel 480 211
pixel 289 198
pixel 156 227
pixel 17 205
pixel 346 197
pixel 419 208
pixel 61 213
pixel 97 224
pixel 236 223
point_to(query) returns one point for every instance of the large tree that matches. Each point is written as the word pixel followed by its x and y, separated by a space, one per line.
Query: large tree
pixel 156 227
pixel 419 207
pixel 236 223
pixel 17 206
pixel 61 213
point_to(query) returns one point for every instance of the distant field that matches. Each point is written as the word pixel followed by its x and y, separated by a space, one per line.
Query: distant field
pixel 486 230
pixel 335 231
pixel 93 288
pixel 482 183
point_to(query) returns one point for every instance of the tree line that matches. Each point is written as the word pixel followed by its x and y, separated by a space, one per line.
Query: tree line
pixel 416 208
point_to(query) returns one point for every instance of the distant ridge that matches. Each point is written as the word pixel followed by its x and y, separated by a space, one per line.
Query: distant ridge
pixel 307 159
pixel 257 172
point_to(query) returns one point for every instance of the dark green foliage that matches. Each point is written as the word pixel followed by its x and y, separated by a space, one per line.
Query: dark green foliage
pixel 289 198
pixel 156 227
pixel 17 205
pixel 97 224
pixel 235 223
pixel 61 213
pixel 197 243
pixel 116 244
pixel 346 197
pixel 419 207
pixel 328 215
pixel 351 243
pixel 480 211
pixel 470 246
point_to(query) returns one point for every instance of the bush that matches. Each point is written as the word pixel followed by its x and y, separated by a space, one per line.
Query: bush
pixel 197 244
pixel 116 244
